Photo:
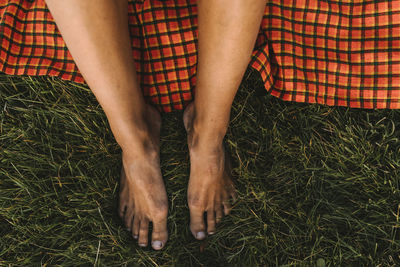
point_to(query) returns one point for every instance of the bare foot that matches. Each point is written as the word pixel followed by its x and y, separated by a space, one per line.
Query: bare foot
pixel 142 196
pixel 210 185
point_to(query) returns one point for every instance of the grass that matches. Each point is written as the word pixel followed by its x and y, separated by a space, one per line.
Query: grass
pixel 318 185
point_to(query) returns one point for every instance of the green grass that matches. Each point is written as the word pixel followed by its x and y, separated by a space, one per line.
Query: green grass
pixel 318 186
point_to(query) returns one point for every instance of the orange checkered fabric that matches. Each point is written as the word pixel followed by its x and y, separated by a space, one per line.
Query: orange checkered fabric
pixel 338 52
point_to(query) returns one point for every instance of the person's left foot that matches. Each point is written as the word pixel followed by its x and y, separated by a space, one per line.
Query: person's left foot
pixel 210 185
pixel 142 197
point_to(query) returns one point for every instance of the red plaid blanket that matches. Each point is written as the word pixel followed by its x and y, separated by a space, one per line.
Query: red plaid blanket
pixel 338 52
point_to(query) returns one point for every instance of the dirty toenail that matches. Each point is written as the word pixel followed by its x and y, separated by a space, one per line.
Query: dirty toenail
pixel 128 229
pixel 200 235
pixel 157 244
pixel 142 245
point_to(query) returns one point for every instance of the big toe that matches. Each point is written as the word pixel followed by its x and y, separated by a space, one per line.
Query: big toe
pixel 160 234
pixel 197 226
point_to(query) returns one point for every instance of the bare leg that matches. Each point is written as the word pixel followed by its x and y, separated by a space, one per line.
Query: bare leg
pixel 96 33
pixel 227 33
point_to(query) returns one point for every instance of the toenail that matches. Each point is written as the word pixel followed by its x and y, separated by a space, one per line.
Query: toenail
pixel 157 244
pixel 143 245
pixel 200 235
pixel 135 236
pixel 211 233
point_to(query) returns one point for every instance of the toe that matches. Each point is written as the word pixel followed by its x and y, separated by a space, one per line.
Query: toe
pixel 211 222
pixel 121 209
pixel 218 214
pixel 143 232
pixel 197 226
pixel 226 203
pixel 160 234
pixel 135 227
pixel 233 195
pixel 123 200
pixel 227 207
pixel 128 218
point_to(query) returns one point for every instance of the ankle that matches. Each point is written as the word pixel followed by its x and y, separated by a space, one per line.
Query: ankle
pixel 138 132
pixel 205 140
pixel 204 130
pixel 208 130
pixel 138 150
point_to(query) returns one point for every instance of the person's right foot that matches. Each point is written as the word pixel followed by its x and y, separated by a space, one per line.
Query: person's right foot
pixel 142 195
pixel 210 188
